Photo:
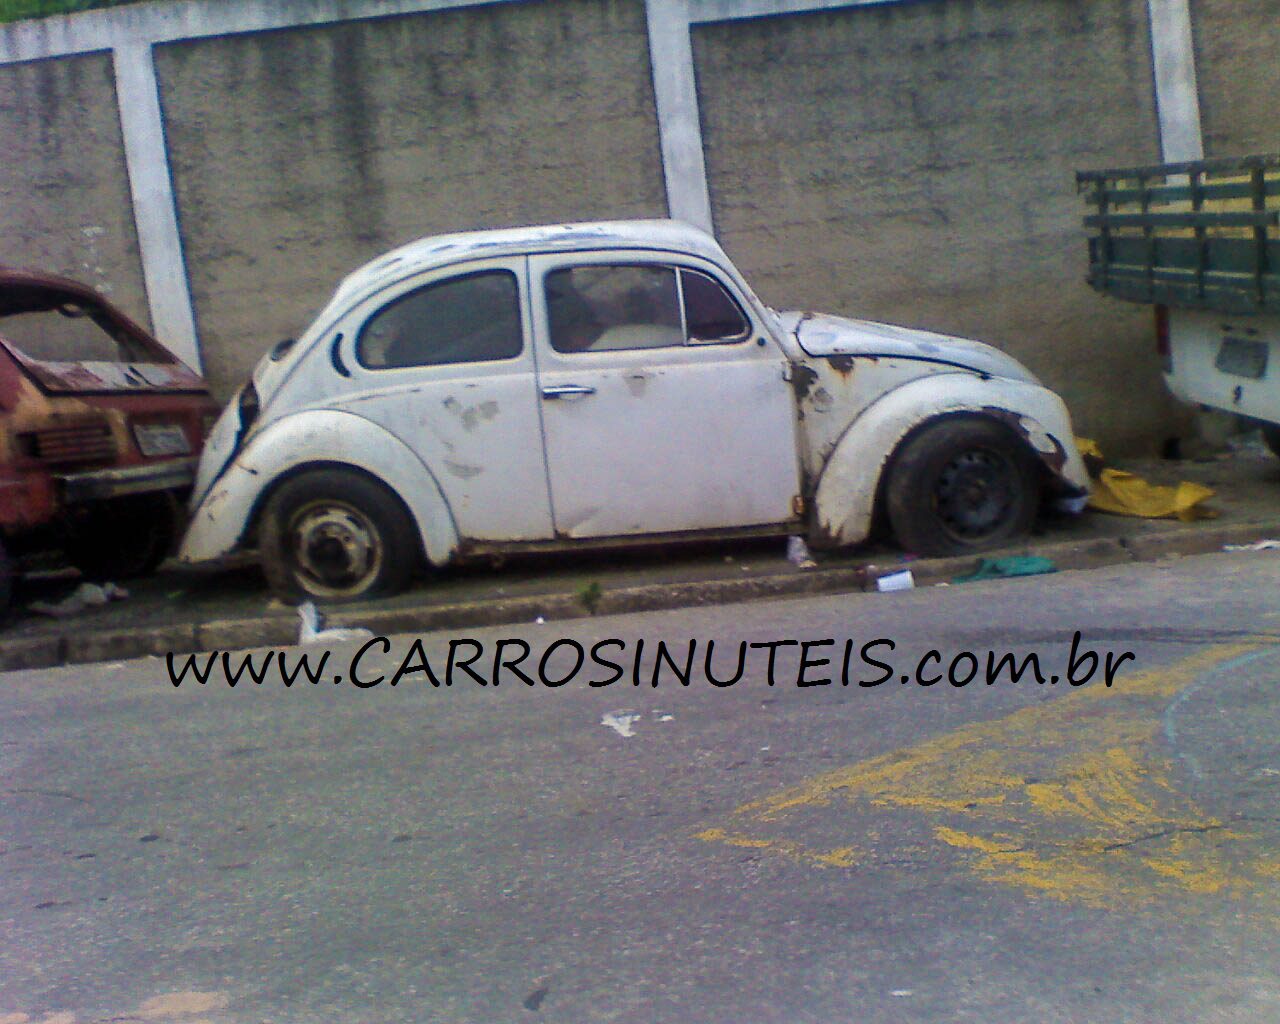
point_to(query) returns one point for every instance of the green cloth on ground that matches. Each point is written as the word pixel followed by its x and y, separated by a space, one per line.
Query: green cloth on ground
pixel 1014 565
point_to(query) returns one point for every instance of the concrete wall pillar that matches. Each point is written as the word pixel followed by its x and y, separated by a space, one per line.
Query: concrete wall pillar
pixel 1174 70
pixel 155 210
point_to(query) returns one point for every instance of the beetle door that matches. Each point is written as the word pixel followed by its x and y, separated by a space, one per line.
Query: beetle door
pixel 664 406
pixel 442 361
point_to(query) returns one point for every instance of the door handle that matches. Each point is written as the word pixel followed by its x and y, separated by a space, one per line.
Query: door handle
pixel 567 391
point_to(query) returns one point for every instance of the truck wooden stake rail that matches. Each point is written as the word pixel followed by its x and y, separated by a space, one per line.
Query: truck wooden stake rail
pixel 1200 241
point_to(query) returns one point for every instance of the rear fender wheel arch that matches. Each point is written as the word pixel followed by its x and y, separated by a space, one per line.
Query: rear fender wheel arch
pixel 333 532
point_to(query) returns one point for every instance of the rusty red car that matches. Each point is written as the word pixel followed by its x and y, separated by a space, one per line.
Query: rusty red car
pixel 101 427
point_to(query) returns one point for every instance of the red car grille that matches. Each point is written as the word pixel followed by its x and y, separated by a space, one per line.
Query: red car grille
pixel 83 442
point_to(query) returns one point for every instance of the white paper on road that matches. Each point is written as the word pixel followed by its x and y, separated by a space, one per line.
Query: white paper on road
pixel 621 722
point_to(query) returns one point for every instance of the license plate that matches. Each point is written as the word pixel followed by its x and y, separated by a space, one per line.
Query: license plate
pixel 157 439
pixel 1242 357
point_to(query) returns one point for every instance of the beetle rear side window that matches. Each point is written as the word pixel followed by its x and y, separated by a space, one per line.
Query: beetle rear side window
pixel 468 319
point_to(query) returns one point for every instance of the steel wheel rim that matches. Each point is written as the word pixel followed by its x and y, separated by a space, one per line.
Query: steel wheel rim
pixel 975 494
pixel 336 549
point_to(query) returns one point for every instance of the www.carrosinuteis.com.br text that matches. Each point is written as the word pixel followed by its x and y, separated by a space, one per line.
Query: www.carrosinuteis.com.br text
pixel 614 662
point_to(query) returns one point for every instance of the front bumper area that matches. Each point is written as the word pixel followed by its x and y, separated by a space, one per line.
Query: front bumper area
pixel 99 485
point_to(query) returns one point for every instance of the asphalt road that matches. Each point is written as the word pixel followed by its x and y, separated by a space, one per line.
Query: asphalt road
pixel 749 853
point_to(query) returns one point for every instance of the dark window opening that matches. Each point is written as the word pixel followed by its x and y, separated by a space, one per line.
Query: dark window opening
pixel 467 319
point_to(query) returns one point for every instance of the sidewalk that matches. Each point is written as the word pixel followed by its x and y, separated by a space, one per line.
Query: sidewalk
pixel 184 610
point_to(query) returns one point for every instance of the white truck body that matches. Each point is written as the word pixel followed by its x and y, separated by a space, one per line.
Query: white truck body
pixel 1199 241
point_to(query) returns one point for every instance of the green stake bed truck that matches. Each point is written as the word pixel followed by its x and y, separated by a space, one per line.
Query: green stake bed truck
pixel 1201 242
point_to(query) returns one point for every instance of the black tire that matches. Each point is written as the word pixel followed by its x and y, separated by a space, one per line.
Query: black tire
pixel 962 485
pixel 336 535
pixel 6 582
pixel 1271 434
pixel 124 538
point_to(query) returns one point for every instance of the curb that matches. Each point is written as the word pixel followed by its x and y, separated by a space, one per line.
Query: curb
pixel 282 630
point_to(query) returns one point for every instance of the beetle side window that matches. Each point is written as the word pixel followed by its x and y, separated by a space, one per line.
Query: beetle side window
pixel 466 319
pixel 711 312
pixel 604 307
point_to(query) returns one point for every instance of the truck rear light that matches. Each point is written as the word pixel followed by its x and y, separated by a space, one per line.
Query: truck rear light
pixel 1163 349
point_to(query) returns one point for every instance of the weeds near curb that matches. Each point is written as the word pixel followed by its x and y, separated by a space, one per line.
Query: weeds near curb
pixel 589 595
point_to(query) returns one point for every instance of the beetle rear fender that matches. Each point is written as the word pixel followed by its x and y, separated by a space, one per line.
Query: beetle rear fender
pixel 848 487
pixel 225 518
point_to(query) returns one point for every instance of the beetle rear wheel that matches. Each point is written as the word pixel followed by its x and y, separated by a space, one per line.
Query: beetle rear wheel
pixel 6 582
pixel 962 485
pixel 336 535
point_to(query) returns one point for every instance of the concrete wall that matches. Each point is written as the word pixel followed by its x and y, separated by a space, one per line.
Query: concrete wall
pixel 64 193
pixel 909 160
pixel 1237 44
pixel 914 163
pixel 300 154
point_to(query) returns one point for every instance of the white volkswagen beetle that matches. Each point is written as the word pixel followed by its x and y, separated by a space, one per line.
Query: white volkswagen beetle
pixel 555 387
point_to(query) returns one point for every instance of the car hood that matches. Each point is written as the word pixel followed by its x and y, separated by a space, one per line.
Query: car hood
pixel 821 335
pixel 101 377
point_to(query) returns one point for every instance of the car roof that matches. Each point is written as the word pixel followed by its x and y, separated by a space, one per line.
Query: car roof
pixel 442 250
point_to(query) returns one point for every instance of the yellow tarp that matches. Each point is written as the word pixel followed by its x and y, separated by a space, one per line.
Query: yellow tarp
pixel 1127 494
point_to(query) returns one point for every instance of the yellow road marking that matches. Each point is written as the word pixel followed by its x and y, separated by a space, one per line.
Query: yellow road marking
pixel 840 857
pixel 1070 799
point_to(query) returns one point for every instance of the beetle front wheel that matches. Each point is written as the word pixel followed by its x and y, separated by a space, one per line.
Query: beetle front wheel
pixel 962 485
pixel 1271 435
pixel 336 535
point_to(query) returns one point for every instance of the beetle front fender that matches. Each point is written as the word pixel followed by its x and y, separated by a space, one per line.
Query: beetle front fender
pixel 220 523
pixel 846 493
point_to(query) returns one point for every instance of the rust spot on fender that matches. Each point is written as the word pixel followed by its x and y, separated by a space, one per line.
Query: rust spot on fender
pixel 843 365
pixel 1048 448
pixel 821 535
pixel 803 377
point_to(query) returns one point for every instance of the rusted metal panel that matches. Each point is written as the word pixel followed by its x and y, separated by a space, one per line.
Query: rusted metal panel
pixel 143 363
pixel 94 377
pixel 61 419
pixel 1051 450
pixel 847 489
